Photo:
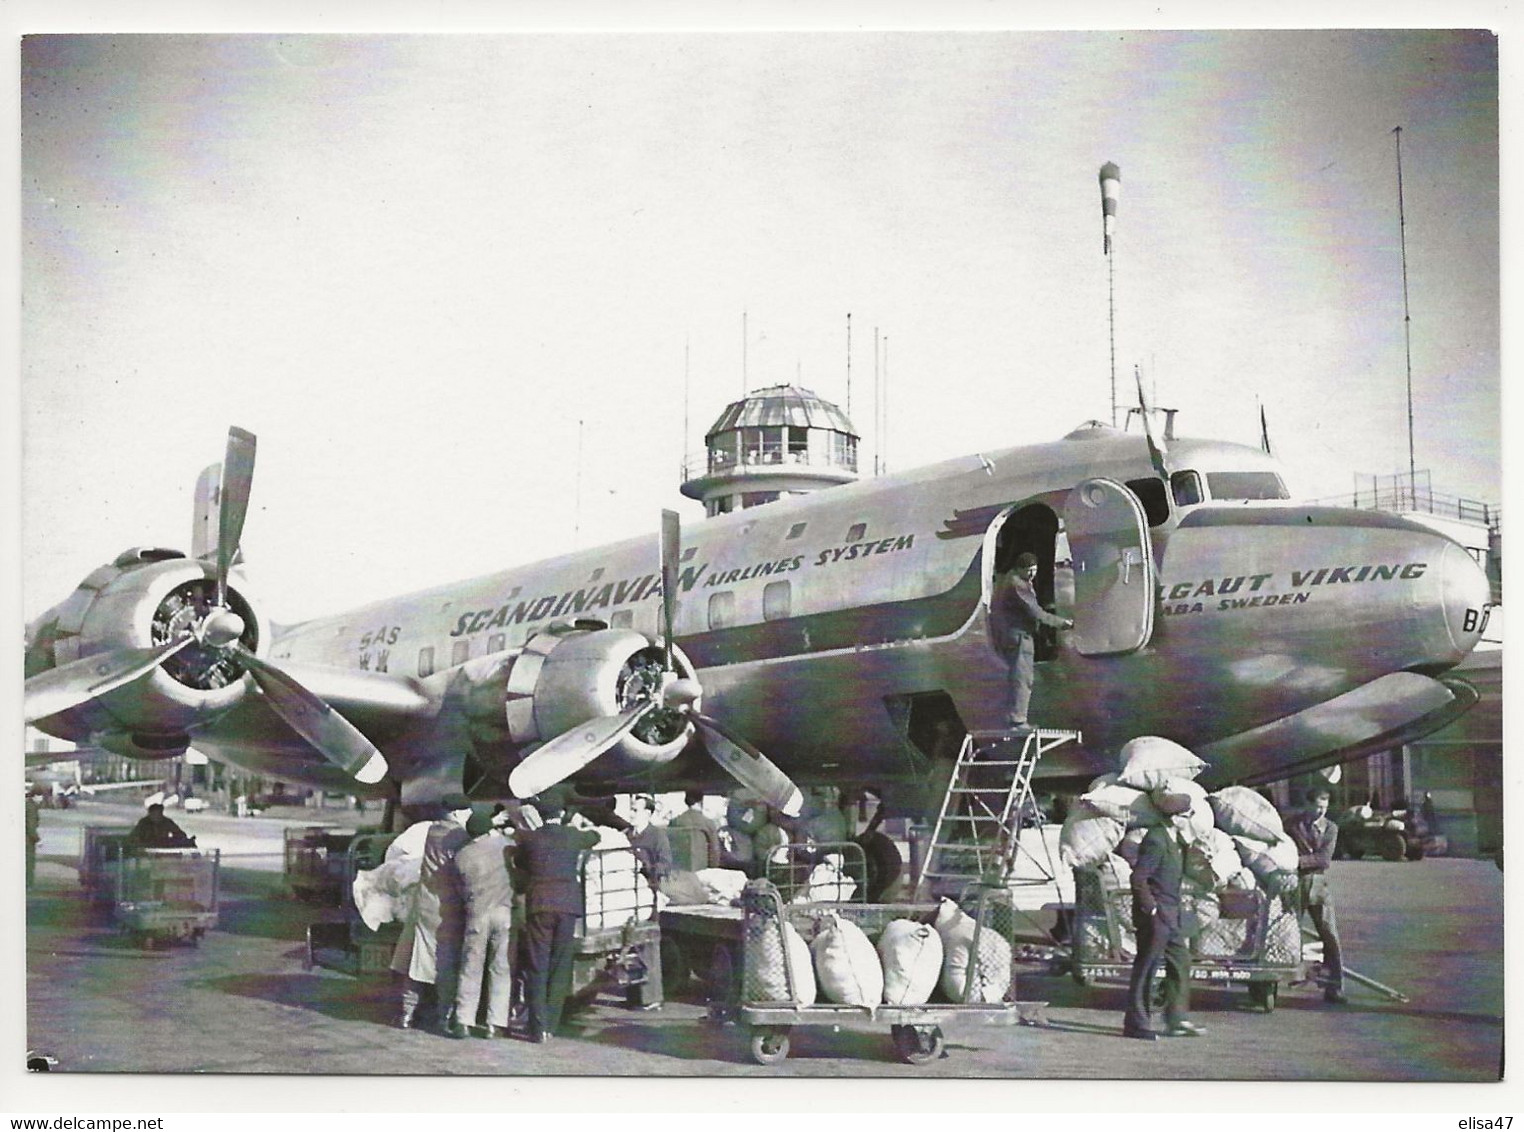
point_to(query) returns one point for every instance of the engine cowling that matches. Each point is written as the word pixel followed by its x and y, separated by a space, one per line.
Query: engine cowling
pixel 146 596
pixel 560 681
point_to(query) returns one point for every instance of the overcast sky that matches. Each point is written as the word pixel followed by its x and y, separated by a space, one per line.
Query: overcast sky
pixel 412 266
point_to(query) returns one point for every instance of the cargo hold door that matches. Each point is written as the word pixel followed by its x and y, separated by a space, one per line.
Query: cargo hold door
pixel 1113 569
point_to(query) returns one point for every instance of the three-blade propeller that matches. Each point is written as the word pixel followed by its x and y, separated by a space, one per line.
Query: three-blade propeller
pixel 566 754
pixel 333 736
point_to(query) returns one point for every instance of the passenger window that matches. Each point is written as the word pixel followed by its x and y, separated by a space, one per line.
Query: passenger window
pixel 621 618
pixel 497 642
pixel 795 531
pixel 856 532
pixel 776 601
pixel 460 652
pixel 722 609
pixel 426 661
pixel 1150 493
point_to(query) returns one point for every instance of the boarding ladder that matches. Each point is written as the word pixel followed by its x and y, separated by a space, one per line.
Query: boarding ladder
pixel 977 835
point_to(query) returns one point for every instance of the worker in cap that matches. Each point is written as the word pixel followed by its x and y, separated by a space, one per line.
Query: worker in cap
pixel 1015 614
pixel 547 861
pixel 1156 880
pixel 428 951
pixel 486 960
pixel 1315 835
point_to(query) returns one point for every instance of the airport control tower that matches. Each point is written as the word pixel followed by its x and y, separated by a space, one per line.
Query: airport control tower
pixel 777 441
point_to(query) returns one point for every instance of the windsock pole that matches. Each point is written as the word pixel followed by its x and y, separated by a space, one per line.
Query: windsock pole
pixel 1111 187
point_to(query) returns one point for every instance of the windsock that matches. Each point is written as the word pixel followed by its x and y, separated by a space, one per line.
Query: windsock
pixel 1111 188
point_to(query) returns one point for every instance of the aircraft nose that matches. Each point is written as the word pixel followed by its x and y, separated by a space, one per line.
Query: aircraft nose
pixel 1465 598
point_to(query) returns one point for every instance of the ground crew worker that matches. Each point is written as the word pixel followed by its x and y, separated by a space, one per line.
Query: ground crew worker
pixel 33 816
pixel 428 951
pixel 650 842
pixel 1015 614
pixel 702 826
pixel 1315 837
pixel 1156 881
pixel 547 859
pixel 486 953
pixel 155 831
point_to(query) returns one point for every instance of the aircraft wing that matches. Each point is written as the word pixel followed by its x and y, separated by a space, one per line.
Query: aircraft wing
pixel 1395 709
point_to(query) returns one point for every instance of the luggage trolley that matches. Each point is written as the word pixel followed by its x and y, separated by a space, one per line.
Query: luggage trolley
pixel 916 1031
pixel 1255 939
pixel 348 944
pixel 167 894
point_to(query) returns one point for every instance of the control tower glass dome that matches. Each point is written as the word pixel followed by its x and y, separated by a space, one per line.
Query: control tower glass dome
pixel 776 441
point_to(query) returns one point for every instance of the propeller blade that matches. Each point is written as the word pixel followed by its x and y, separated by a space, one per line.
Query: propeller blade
pixel 572 750
pixel 339 741
pixel 671 547
pixel 750 767
pixel 69 685
pixel 237 480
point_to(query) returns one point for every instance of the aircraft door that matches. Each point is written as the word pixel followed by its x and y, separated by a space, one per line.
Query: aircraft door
pixel 1113 569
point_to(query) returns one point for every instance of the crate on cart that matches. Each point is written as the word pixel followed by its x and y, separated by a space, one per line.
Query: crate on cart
pixel 101 850
pixel 989 989
pixel 618 935
pixel 315 865
pixel 167 894
pixel 1238 936
pixel 348 944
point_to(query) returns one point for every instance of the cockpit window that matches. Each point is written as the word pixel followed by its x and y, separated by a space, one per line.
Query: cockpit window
pixel 1150 493
pixel 1186 487
pixel 1246 485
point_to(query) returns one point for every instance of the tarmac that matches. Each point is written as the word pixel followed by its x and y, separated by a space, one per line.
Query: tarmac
pixel 244 1001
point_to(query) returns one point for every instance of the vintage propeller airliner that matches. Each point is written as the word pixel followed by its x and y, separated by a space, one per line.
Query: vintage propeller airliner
pixel 836 637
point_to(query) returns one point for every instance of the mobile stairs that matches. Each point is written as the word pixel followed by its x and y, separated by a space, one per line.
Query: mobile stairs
pixel 977 836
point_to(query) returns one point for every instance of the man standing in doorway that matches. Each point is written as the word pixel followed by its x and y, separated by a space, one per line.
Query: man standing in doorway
pixel 1015 614
pixel 1315 836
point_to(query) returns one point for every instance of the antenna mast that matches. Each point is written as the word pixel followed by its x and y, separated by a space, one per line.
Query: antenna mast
pixel 1407 320
pixel 1111 188
pixel 849 365
pixel 743 356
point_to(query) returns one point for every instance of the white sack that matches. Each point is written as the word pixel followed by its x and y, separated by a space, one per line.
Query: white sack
pixel 847 966
pixel 827 883
pixel 385 893
pixel 992 965
pixel 1245 813
pixel 1087 839
pixel 770 980
pixel 724 885
pixel 1146 762
pixel 408 843
pixel 911 953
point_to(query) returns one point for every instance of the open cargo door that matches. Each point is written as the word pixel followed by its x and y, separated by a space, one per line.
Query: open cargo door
pixel 1113 569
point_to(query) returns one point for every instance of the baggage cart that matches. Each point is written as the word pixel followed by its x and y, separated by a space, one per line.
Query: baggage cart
pixel 101 849
pixel 916 1031
pixel 167 895
pixel 704 940
pixel 315 863
pixel 618 935
pixel 1249 937
pixel 348 944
